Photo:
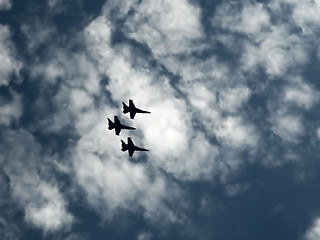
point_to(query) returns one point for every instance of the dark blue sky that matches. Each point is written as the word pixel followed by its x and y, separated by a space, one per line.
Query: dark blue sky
pixel 233 135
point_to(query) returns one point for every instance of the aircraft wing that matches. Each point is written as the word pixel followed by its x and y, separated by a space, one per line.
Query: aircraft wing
pixel 116 120
pixel 130 143
pixel 132 114
pixel 117 129
pixel 131 151
pixel 131 104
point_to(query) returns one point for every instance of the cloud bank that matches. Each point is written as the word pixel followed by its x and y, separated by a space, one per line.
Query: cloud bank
pixel 226 91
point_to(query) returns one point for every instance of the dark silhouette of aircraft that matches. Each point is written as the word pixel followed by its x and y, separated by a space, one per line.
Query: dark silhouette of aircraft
pixel 132 109
pixel 131 147
pixel 117 125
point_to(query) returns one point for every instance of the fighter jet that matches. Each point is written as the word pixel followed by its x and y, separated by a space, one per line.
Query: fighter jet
pixel 131 147
pixel 132 109
pixel 117 125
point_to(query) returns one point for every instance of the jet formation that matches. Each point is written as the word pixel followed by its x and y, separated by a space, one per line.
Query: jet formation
pixel 118 126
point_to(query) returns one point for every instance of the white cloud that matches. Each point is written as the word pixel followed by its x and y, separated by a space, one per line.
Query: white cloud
pixel 231 131
pixel 288 127
pixel 197 160
pixel 193 69
pixel 80 100
pixel 9 229
pixel 276 52
pixel 301 94
pixel 8 64
pixel 99 31
pixel 37 33
pixel 144 236
pixel 275 47
pixel 236 133
pixel 313 232
pixel 318 132
pixel 306 14
pixel 287 123
pixel 168 27
pixel 5 4
pixel 48 211
pixel 121 7
pixel 214 103
pixel 250 20
pixel 44 205
pixel 11 111
pixel 200 96
pixel 231 99
pixel 113 182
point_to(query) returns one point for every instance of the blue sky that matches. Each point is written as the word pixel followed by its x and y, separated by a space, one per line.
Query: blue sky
pixel 233 135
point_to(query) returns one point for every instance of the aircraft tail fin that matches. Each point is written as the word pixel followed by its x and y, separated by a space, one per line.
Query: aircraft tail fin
pixel 111 124
pixel 126 109
pixel 124 146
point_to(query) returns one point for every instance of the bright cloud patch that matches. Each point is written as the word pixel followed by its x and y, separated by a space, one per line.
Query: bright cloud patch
pixel 275 52
pixel 233 98
pixel 112 183
pixel 273 47
pixel 166 130
pixel 166 26
pixel 236 133
pixel 314 232
pixel 306 14
pixel 48 210
pixel 8 62
pixel 288 127
pixel 42 201
pixel 318 133
pixel 301 94
pixel 250 20
pixel 5 4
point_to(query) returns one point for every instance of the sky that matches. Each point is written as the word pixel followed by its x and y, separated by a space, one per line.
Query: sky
pixel 233 90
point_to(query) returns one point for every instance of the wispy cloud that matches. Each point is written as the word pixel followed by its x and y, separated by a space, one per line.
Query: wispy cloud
pixel 301 94
pixel 212 113
pixel 9 64
pixel 5 4
pixel 41 199
pixel 11 110
pixel 313 232
pixel 166 27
